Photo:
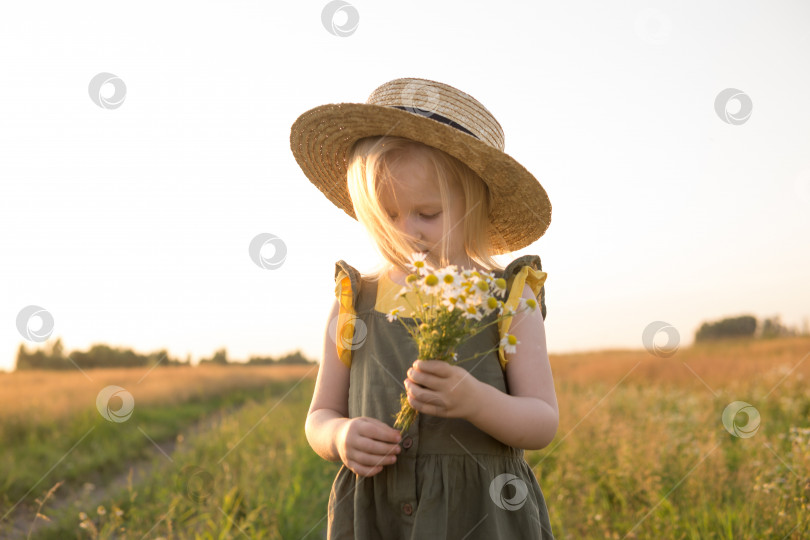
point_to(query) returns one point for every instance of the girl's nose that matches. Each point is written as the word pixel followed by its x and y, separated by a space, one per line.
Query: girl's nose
pixel 408 225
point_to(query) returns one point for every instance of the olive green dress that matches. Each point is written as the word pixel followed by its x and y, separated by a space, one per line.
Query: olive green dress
pixel 451 480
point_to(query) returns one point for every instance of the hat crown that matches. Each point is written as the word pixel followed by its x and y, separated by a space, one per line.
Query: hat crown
pixel 441 102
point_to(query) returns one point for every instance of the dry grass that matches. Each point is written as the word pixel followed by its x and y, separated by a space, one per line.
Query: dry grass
pixel 58 394
pixel 640 434
pixel 719 365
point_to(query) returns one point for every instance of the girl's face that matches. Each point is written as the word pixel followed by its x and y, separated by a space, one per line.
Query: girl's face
pixel 414 203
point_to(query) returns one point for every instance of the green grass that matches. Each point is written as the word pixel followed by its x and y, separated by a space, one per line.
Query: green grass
pixel 270 483
pixel 108 448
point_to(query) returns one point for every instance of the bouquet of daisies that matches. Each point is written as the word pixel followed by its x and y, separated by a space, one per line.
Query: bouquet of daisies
pixel 451 305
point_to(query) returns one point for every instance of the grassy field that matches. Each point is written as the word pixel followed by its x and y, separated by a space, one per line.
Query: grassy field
pixel 642 450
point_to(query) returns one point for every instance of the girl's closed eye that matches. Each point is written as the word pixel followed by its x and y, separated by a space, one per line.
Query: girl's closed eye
pixel 426 216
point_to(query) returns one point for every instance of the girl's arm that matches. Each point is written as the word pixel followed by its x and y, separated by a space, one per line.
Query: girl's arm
pixel 528 416
pixel 330 402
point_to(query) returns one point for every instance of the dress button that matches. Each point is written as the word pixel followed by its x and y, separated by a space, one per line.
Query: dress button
pixel 407 442
pixel 407 508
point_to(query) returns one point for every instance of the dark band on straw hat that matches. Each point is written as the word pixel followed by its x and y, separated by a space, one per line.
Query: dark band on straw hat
pixel 435 116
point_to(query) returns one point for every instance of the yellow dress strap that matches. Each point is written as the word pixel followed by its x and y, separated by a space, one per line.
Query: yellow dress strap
pixel 346 295
pixel 528 274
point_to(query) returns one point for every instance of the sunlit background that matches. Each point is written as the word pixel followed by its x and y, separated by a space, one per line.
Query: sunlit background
pixel 131 225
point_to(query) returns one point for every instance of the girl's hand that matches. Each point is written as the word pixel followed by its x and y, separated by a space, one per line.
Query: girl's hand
pixel 437 388
pixel 366 444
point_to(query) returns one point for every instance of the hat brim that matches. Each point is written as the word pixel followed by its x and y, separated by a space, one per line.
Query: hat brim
pixel 520 210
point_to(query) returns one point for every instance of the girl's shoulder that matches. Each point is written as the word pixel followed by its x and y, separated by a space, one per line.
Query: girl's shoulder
pixel 532 261
pixel 527 270
pixel 348 281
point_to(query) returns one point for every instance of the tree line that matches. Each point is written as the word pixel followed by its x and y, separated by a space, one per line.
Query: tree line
pixel 746 326
pixel 54 356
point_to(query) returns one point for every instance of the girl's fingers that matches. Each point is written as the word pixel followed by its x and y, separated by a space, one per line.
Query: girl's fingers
pixel 423 379
pixel 362 470
pixel 369 460
pixel 377 430
pixel 377 448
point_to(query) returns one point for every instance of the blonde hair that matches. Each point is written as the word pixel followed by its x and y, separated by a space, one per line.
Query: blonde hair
pixel 369 164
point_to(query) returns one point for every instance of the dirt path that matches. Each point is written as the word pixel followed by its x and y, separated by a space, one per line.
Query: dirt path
pixel 93 493
pixel 96 491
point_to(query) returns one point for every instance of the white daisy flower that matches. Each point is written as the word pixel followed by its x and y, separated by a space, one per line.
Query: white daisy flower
pixel 448 276
pixel 450 302
pixel 509 343
pixel 471 312
pixel 527 303
pixel 491 305
pixel 450 283
pixel 500 287
pixel 477 293
pixel 393 314
pixel 418 262
pixel 432 283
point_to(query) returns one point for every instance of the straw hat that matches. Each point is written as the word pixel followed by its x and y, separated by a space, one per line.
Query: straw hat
pixel 437 115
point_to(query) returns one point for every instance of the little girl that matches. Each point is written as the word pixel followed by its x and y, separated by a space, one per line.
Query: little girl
pixel 421 165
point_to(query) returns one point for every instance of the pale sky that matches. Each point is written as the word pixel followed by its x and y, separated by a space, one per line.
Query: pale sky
pixel 131 225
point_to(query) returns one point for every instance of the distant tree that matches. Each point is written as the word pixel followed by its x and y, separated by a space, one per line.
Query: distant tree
pixel 53 356
pixel 294 358
pixel 56 350
pixel 220 357
pixel 744 327
pixel 772 328
pixel 732 327
pixel 290 358
pixel 22 357
pixel 261 360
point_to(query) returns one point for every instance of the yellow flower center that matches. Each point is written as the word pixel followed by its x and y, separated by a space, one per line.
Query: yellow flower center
pixel 512 340
pixel 431 280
